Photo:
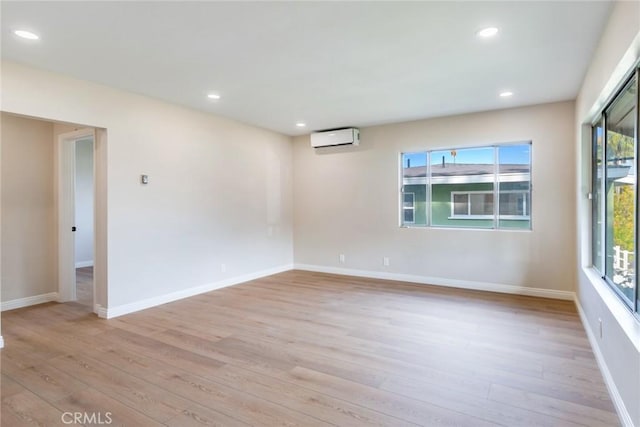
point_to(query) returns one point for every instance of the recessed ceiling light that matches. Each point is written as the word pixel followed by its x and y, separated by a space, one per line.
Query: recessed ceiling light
pixel 213 96
pixel 26 34
pixel 487 32
pixel 506 94
pixel 301 125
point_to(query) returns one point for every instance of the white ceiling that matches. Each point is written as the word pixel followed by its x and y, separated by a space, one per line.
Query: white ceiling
pixel 329 64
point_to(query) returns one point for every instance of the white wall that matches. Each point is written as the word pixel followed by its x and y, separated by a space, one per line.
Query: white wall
pixel 619 347
pixel 84 203
pixel 28 210
pixel 219 192
pixel 347 202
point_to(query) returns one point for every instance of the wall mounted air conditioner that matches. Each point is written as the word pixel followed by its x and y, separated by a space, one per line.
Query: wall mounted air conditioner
pixel 332 138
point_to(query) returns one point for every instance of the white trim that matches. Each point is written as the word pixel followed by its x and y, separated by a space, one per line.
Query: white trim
pixel 440 281
pixel 121 310
pixel 100 235
pixel 81 264
pixel 28 301
pixel 1 342
pixel 621 409
pixel 100 311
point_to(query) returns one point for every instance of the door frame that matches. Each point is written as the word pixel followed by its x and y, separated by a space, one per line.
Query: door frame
pixel 65 192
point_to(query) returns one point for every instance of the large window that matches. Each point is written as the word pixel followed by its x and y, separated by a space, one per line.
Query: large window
pixel 480 187
pixel 614 193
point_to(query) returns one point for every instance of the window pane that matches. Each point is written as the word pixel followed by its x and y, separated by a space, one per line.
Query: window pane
pixel 408 216
pixel 467 170
pixel 620 193
pixel 408 200
pixel 408 207
pixel 514 178
pixel 514 204
pixel 481 204
pixel 461 204
pixel 414 184
pixel 598 200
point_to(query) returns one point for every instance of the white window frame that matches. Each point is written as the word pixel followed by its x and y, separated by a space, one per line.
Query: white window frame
pixel 469 216
pixel 525 208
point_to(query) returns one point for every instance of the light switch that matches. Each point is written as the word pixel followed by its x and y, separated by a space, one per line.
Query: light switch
pixel 144 179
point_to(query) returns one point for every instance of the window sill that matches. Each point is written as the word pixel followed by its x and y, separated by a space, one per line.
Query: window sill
pixel 628 321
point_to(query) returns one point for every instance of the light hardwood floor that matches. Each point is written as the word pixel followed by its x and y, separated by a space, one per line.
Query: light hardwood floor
pixel 308 349
pixel 84 286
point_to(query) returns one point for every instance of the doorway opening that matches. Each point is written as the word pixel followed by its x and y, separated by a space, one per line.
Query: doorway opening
pixel 83 213
pixel 80 241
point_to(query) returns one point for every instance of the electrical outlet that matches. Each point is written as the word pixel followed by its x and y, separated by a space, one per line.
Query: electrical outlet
pixel 385 261
pixel 223 268
pixel 342 259
pixel 600 326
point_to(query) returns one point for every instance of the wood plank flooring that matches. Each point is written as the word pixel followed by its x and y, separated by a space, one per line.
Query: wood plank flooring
pixel 308 349
pixel 84 286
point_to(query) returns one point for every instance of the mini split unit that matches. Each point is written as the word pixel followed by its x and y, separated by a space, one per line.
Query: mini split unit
pixel 333 138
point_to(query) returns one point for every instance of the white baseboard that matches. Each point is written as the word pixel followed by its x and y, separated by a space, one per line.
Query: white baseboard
pixel 100 311
pixel 1 342
pixel 81 264
pixel 111 312
pixel 439 281
pixel 624 415
pixel 27 301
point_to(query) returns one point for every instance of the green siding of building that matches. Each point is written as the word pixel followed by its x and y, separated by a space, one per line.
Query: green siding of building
pixel 420 203
pixel 441 205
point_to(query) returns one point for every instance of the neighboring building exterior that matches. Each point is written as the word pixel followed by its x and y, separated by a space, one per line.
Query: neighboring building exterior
pixel 462 195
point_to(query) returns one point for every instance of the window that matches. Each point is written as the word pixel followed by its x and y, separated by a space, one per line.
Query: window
pixel 480 187
pixel 478 204
pixel 513 204
pixel 460 204
pixel 614 193
pixel 408 208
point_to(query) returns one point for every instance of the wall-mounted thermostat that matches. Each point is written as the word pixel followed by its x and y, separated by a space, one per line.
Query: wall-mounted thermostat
pixel 144 179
